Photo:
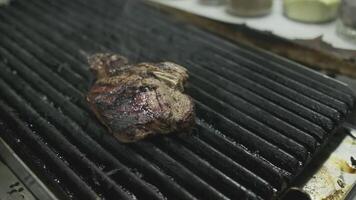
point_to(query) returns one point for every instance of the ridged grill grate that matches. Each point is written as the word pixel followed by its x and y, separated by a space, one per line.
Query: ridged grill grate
pixel 260 118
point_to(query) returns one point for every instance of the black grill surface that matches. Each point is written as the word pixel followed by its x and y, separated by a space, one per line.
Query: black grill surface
pixel 261 118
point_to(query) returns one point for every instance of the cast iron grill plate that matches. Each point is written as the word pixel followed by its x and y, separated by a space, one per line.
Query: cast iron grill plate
pixel 261 118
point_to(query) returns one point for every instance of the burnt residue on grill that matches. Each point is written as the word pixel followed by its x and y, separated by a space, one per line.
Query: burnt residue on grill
pixel 260 118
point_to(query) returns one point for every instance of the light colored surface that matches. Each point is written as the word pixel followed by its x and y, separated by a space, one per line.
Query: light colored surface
pixel 336 176
pixel 275 22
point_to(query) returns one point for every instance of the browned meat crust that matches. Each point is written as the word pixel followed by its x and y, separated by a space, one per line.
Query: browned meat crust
pixel 140 100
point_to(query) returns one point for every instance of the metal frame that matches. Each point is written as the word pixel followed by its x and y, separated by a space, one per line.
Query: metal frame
pixel 24 174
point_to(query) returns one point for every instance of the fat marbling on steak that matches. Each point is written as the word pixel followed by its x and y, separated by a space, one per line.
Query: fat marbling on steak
pixel 138 100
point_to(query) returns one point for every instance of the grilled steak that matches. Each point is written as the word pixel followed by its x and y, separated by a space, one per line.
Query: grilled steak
pixel 138 100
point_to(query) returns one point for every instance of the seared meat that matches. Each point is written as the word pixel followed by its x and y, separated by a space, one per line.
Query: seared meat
pixel 138 100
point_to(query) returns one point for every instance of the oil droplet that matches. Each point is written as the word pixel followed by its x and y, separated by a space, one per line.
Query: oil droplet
pixel 44 98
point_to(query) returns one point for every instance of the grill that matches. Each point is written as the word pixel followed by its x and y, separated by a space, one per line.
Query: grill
pixel 261 118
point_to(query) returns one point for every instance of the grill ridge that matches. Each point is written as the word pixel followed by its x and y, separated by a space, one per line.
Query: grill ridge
pixel 63 106
pixel 55 114
pixel 240 103
pixel 254 143
pixel 258 101
pixel 236 152
pixel 199 38
pixel 302 75
pixel 278 99
pixel 178 171
pixel 83 189
pixel 329 124
pixel 71 153
pixel 284 143
pixel 81 72
pixel 299 87
pixel 282 89
pixel 49 60
pixel 231 168
pixel 241 59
